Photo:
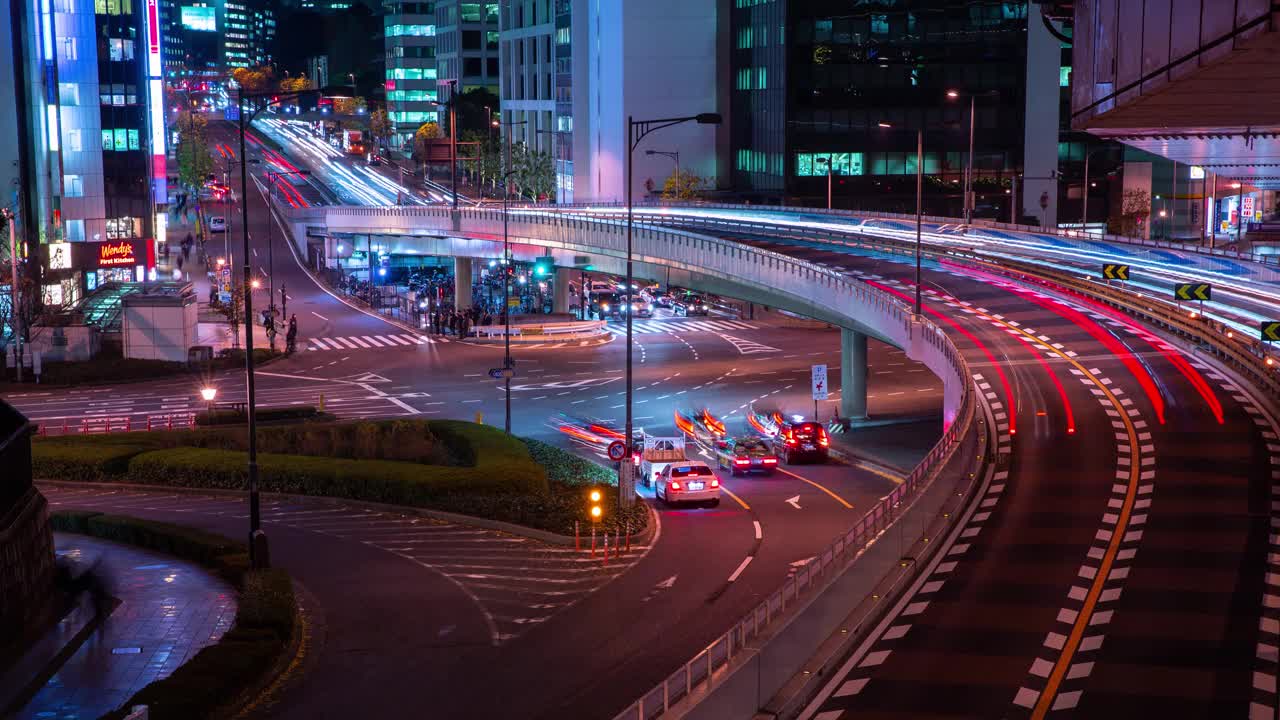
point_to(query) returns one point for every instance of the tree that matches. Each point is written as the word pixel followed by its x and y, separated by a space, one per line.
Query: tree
pixel 380 126
pixel 296 84
pixel 683 186
pixel 195 162
pixel 535 173
pixel 471 110
pixel 234 310
pixel 348 106
pixel 255 80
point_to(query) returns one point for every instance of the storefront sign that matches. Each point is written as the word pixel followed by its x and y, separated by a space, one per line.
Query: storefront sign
pixel 1197 172
pixel 114 254
pixel 60 256
pixel 1248 207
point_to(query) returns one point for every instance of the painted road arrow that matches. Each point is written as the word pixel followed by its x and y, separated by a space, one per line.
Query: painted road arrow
pixel 1271 330
pixel 1193 291
pixel 1115 272
pixel 794 502
pixel 664 585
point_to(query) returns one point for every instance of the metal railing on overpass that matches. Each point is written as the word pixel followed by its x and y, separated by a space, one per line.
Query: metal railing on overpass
pixel 1268 260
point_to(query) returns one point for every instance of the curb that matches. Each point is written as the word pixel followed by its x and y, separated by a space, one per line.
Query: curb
pixel 293 664
pixel 510 528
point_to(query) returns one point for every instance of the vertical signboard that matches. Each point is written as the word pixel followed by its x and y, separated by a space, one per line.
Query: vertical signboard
pixel 155 104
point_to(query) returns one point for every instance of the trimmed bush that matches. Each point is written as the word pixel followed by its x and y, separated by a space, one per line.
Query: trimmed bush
pixel 232 416
pixel 72 521
pixel 73 459
pixel 408 440
pixel 565 468
pixel 386 481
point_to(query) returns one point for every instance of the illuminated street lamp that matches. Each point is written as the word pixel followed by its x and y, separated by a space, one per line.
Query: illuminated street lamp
pixel 255 283
pixel 209 394
pixel 636 131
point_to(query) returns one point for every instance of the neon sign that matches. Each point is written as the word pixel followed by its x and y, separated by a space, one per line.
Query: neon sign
pixel 115 254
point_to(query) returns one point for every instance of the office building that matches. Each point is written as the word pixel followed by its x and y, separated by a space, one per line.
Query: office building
pixel 409 30
pixel 852 83
pixel 91 141
pixel 575 70
pixel 210 37
pixel 467 45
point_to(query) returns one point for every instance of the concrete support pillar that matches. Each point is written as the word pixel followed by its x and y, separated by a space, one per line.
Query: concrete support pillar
pixel 560 304
pixel 462 282
pixel 853 374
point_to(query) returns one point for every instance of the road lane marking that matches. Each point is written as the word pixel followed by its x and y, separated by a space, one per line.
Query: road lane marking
pixel 733 495
pixel 834 496
pixel 759 531
pixel 745 562
pixel 313 312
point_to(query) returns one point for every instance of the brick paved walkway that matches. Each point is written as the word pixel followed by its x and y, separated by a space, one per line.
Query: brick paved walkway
pixel 169 610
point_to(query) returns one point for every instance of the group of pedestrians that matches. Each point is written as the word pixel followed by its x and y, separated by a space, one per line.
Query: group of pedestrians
pixel 459 323
pixel 290 336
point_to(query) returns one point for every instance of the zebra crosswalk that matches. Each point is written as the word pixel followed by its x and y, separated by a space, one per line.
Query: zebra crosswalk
pixel 369 342
pixel 679 326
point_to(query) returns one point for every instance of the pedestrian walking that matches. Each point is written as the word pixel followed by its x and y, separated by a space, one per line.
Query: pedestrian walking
pixel 291 337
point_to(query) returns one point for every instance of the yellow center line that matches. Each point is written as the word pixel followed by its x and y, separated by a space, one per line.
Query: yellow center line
pixel 820 487
pixel 1045 701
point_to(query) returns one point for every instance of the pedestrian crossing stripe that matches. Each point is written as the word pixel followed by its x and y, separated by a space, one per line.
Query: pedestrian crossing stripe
pixel 681 326
pixel 368 342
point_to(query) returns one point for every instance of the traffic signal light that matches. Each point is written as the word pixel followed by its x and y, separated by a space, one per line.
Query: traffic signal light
pixel 542 266
pixel 596 510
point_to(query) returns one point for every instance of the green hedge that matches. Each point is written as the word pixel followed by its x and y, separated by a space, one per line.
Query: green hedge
pixel 219 673
pixel 231 416
pixel 73 459
pixel 407 440
pixel 387 481
pixel 566 468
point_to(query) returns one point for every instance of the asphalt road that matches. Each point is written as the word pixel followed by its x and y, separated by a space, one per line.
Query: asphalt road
pixel 1119 565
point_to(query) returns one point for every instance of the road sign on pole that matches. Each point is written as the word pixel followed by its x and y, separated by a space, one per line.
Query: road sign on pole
pixel 1193 291
pixel 1271 330
pixel 617 450
pixel 819 373
pixel 500 373
pixel 1115 272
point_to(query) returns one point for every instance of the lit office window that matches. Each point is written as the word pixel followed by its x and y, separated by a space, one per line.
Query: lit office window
pixel 72 186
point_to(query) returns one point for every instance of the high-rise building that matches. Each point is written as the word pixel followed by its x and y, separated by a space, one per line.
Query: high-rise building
pixel 850 84
pixel 575 70
pixel 467 45
pixel 409 30
pixel 90 139
pixel 210 37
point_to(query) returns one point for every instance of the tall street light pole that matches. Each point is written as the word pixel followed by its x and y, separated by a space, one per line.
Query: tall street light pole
pixel 827 162
pixel 636 131
pixel 919 206
pixel 1084 215
pixel 506 296
pixel 272 179
pixel 674 155
pixel 256 535
pixel 968 175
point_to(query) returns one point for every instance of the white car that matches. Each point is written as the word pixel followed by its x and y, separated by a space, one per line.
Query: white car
pixel 217 223
pixel 687 481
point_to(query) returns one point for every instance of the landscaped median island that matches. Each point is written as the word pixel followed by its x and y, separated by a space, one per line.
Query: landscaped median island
pixel 222 675
pixel 447 465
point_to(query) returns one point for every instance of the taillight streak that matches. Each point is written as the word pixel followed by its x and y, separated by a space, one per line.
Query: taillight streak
pixel 1004 381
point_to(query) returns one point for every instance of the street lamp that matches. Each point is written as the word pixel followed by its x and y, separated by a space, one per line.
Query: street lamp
pixel 209 394
pixel 1084 216
pixel 636 131
pixel 354 93
pixel 919 203
pixel 968 180
pixel 826 161
pixel 256 535
pixel 506 296
pixel 272 179
pixel 674 155
pixel 452 104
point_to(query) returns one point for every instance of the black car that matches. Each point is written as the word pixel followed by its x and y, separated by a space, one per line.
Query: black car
pixel 690 304
pixel 803 442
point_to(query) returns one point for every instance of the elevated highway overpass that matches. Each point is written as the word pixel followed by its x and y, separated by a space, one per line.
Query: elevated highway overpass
pixel 1131 507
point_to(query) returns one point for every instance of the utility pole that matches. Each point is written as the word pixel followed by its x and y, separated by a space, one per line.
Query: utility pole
pixel 15 310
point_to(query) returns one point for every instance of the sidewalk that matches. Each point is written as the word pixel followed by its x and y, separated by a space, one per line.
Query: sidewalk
pixel 169 610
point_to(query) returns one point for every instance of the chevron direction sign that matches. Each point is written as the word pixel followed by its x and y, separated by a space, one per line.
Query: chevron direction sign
pixel 1271 330
pixel 1193 291
pixel 1115 272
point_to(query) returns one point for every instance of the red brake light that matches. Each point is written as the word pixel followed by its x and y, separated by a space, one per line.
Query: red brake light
pixel 715 483
pixel 822 437
pixel 675 485
pixel 771 461
pixel 741 461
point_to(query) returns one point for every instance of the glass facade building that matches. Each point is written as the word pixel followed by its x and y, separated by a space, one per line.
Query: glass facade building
pixel 91 140
pixel 853 82
pixel 410 40
pixel 537 81
pixel 467 45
